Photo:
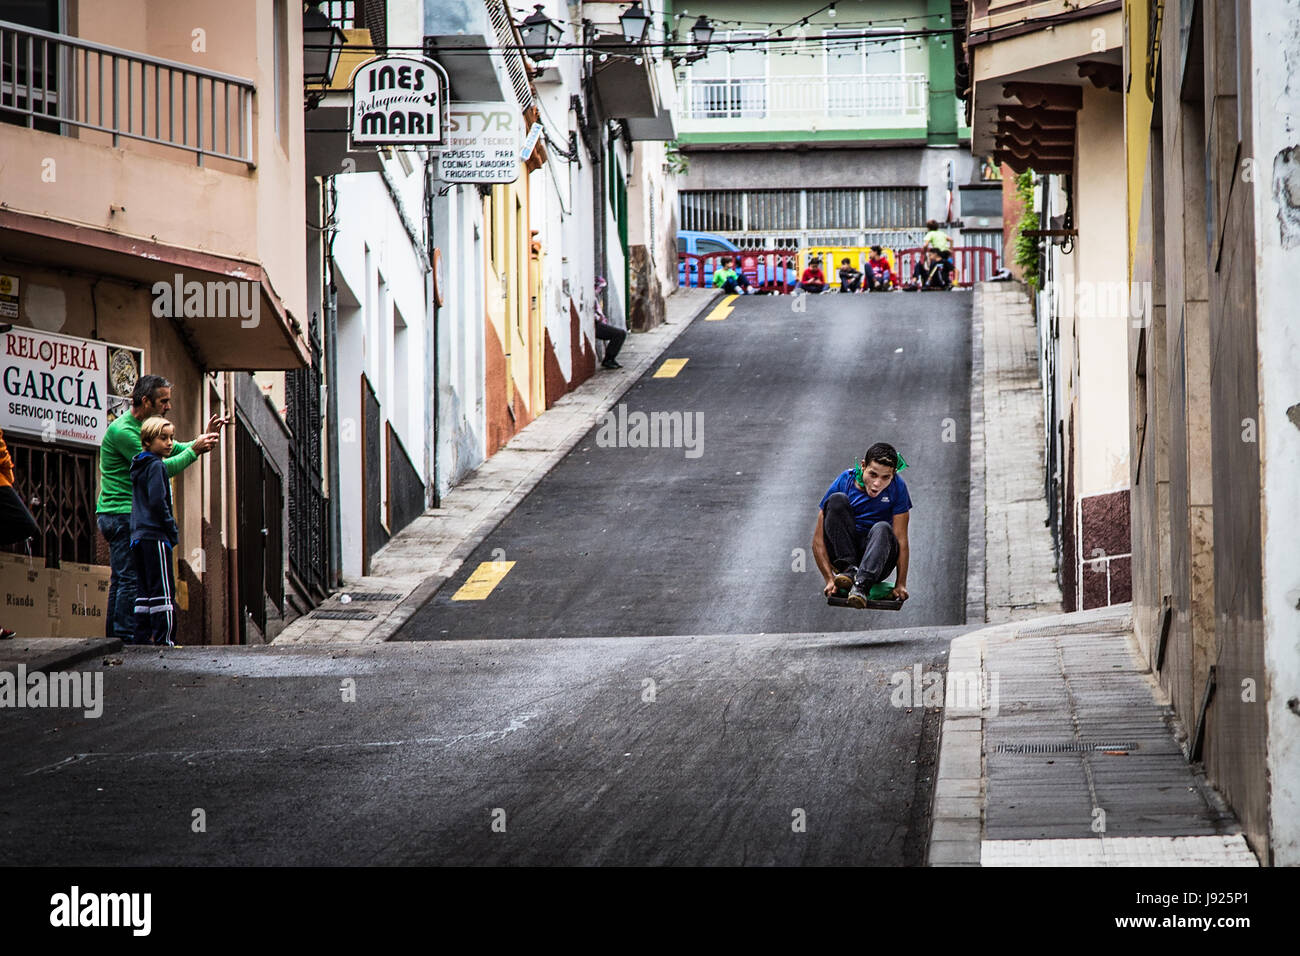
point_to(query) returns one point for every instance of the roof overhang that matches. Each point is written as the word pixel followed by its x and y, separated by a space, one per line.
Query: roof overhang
pixel 271 339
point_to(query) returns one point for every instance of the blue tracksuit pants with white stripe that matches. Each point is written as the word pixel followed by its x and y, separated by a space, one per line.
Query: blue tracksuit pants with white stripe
pixel 155 596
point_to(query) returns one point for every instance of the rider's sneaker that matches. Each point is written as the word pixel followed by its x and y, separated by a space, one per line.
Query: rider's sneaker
pixel 857 597
pixel 844 579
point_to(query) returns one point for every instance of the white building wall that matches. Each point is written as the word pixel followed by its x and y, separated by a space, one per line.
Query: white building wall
pixel 461 425
pixel 1276 112
pixel 382 324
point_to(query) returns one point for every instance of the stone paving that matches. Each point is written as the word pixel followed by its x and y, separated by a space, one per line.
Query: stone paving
pixel 1020 566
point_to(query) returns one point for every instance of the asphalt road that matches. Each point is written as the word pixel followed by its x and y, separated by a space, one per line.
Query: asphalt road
pixel 715 538
pixel 729 717
pixel 738 741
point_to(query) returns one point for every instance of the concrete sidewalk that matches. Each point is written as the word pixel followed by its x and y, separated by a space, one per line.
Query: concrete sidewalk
pixel 1058 747
pixel 419 558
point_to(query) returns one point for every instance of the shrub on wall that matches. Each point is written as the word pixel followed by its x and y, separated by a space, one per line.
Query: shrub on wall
pixel 1026 247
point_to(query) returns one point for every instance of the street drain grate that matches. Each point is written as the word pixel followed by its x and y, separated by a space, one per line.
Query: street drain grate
pixel 374 595
pixel 1070 748
pixel 350 615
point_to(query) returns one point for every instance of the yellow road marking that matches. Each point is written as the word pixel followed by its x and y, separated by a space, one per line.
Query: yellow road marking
pixel 722 310
pixel 485 577
pixel 670 368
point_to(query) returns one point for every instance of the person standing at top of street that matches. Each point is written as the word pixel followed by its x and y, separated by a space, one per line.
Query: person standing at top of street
pixel 606 332
pixel 153 535
pixel 151 396
pixel 813 279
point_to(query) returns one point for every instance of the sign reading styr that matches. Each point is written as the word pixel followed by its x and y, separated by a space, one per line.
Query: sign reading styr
pixel 482 144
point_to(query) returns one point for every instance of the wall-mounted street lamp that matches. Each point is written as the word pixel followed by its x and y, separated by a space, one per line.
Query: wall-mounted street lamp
pixel 635 22
pixel 322 43
pixel 702 32
pixel 541 35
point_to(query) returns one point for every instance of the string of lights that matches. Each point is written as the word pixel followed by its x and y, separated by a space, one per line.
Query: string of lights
pixel 771 27
pixel 581 48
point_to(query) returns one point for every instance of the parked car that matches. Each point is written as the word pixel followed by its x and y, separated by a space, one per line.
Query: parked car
pixel 770 270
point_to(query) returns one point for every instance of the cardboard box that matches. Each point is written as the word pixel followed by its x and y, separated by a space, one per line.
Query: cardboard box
pixel 81 599
pixel 27 597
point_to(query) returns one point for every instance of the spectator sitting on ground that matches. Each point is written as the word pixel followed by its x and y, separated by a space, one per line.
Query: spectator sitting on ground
pixel 727 278
pixel 934 271
pixel 850 278
pixel 742 280
pixel 880 276
pixel 606 332
pixel 813 279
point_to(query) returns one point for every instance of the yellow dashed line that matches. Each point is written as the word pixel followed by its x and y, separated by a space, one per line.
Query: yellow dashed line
pixel 670 368
pixel 722 310
pixel 485 577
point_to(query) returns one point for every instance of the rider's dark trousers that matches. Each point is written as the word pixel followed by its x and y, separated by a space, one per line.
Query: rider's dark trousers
pixel 874 553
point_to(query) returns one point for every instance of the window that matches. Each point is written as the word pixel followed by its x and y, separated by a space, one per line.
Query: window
pixel 280 13
pixel 705 246
pixel 862 74
pixel 730 85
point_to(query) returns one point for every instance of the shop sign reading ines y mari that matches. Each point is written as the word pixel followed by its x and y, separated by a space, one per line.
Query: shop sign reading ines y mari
pixel 63 388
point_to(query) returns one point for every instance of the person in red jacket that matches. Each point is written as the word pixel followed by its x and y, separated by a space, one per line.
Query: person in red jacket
pixel 880 277
pixel 813 279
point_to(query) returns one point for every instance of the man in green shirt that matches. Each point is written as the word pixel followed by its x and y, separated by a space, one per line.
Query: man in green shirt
pixel 152 396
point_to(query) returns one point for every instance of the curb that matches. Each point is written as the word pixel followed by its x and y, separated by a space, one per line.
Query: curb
pixel 50 653
pixel 976 609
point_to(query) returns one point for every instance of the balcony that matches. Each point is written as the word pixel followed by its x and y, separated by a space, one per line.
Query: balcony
pixel 157 168
pixel 758 108
pixel 58 83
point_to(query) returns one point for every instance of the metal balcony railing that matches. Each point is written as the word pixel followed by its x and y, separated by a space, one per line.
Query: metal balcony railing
pixel 797 97
pixel 51 81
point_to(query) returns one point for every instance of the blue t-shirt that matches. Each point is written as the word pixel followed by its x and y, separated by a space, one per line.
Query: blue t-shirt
pixel 892 500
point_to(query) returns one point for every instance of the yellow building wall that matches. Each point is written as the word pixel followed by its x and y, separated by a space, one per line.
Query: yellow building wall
pixel 1138 108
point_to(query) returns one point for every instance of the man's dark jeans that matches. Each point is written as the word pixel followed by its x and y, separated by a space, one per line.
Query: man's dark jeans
pixel 120 622
pixel 873 553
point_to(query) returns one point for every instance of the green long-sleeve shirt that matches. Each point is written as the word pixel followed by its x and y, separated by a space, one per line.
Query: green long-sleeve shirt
pixel 121 444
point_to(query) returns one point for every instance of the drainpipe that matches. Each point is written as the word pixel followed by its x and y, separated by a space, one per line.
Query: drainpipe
pixel 330 300
pixel 234 613
pixel 432 341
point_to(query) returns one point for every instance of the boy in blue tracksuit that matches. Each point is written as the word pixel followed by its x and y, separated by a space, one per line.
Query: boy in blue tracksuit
pixel 153 535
